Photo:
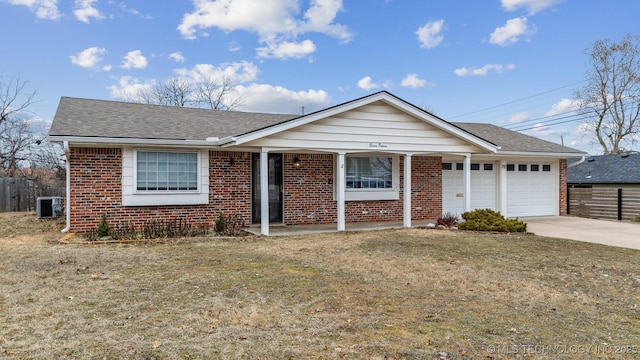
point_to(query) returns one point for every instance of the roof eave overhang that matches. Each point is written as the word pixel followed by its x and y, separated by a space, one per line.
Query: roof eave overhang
pixel 91 140
pixel 560 155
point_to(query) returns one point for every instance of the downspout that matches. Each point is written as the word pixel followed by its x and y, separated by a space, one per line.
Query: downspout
pixel 577 162
pixel 68 184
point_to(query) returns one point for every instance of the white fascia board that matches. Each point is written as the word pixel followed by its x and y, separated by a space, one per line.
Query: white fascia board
pixel 558 155
pixel 131 141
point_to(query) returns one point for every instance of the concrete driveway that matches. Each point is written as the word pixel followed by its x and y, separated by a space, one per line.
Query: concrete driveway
pixel 613 233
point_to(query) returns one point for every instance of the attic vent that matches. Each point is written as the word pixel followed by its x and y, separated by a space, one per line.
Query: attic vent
pixel 591 160
pixel 624 156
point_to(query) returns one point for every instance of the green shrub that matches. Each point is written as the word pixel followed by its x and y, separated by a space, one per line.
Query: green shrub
pixel 221 225
pixel 489 220
pixel 103 227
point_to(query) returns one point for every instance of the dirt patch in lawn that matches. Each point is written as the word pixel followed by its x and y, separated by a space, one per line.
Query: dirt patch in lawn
pixel 402 294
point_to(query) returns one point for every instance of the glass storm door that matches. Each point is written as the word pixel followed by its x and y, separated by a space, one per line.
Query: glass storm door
pixel 275 188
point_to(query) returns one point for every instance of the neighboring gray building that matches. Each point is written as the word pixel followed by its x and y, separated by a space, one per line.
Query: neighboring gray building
pixel 619 171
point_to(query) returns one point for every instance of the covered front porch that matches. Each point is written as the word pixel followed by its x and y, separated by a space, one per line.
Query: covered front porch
pixel 292 230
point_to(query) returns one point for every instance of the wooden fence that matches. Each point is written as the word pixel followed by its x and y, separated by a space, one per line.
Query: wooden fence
pixel 604 203
pixel 20 194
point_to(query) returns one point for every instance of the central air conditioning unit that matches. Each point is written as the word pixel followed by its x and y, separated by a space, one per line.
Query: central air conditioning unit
pixel 49 207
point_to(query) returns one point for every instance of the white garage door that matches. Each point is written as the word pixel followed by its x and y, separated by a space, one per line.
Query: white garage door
pixel 483 187
pixel 531 189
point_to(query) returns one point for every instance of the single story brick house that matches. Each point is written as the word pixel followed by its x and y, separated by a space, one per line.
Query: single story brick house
pixel 376 158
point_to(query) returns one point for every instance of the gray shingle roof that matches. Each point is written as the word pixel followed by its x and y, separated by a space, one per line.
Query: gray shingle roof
pixel 101 118
pixel 606 169
pixel 114 119
pixel 513 141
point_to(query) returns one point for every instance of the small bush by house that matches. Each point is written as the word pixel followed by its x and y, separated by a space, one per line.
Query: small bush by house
pixel 490 220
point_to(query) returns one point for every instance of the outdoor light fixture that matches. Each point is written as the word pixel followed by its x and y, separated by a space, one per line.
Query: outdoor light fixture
pixel 296 162
pixel 232 161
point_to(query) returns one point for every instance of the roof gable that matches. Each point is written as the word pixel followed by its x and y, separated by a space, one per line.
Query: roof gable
pixel 378 106
pixel 374 126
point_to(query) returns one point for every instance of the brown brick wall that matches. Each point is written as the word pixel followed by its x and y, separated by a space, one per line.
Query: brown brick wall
pixel 562 173
pixel 426 181
pixel 308 191
pixel 96 189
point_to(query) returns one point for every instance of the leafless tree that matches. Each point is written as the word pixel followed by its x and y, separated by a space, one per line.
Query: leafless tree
pixel 16 140
pixel 176 91
pixel 611 95
pixel 218 95
pixel 14 97
pixel 179 91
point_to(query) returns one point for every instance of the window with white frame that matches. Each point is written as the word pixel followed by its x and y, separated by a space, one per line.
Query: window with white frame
pixel 369 173
pixel 158 177
pixel 166 171
pixel 372 177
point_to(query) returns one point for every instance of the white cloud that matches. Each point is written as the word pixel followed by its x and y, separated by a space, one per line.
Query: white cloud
pixel 543 130
pixel 233 46
pixel 84 11
pixel 319 18
pixel 44 9
pixel 562 107
pixel 134 60
pixel 277 99
pixel 483 71
pixel 129 88
pixel 518 118
pixel 284 50
pixel 429 34
pixel 89 58
pixel 532 6
pixel 236 72
pixel 177 57
pixel 274 21
pixel 366 84
pixel 412 80
pixel 511 32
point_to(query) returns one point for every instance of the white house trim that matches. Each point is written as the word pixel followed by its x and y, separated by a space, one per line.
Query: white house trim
pixel 341 183
pixel 131 197
pixel 407 191
pixel 264 192
pixel 467 182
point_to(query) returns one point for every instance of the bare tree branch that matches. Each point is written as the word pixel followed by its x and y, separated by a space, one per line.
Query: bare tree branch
pixel 13 98
pixel 612 93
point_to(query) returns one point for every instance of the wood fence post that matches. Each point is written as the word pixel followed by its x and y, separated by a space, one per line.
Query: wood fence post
pixel 619 204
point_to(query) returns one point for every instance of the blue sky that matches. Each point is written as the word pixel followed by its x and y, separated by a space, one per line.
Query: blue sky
pixel 513 63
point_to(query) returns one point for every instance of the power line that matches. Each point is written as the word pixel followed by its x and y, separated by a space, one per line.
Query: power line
pixel 515 101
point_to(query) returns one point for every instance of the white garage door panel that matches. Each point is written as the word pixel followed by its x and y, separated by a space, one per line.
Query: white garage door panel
pixel 483 189
pixel 531 193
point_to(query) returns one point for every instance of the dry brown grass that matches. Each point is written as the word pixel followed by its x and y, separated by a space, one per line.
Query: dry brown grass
pixel 404 294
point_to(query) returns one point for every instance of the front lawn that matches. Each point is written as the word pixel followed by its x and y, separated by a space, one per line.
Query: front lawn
pixel 401 294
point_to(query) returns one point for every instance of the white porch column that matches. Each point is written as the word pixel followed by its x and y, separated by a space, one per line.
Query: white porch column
pixel 407 191
pixel 502 188
pixel 467 183
pixel 264 192
pixel 340 190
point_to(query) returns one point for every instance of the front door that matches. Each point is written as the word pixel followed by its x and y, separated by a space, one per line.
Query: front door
pixel 275 188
